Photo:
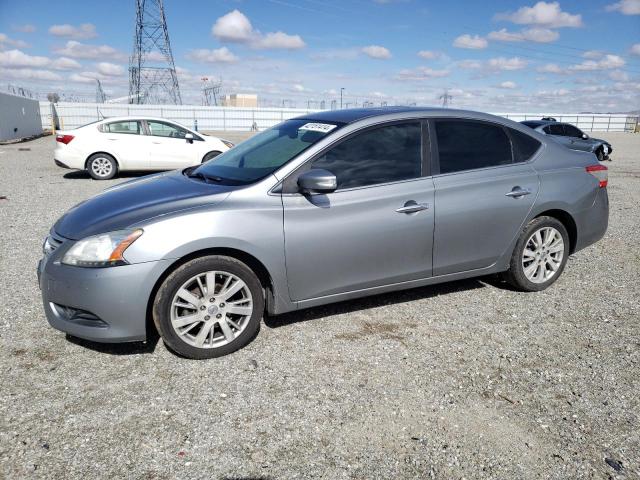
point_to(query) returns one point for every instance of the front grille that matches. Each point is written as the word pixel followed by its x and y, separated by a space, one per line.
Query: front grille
pixel 51 243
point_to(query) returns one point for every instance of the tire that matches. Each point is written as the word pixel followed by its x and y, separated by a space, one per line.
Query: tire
pixel 102 166
pixel 553 255
pixel 210 155
pixel 600 155
pixel 200 326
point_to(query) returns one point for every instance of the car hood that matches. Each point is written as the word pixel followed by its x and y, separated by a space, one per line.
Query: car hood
pixel 598 140
pixel 132 202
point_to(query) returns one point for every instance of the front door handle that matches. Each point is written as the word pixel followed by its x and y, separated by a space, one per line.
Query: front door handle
pixel 412 207
pixel 518 192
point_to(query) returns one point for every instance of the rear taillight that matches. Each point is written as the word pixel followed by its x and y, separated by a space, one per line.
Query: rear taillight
pixel 600 172
pixel 64 138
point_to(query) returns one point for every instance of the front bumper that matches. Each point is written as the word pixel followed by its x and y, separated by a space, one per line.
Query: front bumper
pixel 98 304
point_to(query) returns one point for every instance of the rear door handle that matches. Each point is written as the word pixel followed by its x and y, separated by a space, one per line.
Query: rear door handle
pixel 518 192
pixel 412 207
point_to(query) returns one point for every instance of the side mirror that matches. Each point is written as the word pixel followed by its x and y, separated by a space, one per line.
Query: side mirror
pixel 189 137
pixel 585 136
pixel 317 181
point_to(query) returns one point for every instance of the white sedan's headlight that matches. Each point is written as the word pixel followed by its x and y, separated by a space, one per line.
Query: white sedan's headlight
pixel 103 250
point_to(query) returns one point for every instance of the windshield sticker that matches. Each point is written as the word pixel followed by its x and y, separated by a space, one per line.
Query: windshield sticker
pixel 318 127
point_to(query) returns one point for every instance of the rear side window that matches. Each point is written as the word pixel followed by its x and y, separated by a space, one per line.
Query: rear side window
pixel 380 155
pixel 122 127
pixel 571 131
pixel 524 146
pixel 468 145
pixel 554 130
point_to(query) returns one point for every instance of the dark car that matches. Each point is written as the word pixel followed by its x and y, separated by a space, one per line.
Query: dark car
pixel 572 137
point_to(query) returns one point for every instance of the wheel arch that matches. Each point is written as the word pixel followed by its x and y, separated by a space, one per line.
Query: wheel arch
pixel 251 261
pixel 567 220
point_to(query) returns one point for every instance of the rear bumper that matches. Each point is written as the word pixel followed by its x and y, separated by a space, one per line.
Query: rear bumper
pixel 592 223
pixel 98 304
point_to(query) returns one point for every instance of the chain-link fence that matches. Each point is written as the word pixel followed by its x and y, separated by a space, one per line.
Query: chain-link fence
pixel 72 115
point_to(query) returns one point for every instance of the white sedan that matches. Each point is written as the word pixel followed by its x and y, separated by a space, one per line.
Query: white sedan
pixel 111 145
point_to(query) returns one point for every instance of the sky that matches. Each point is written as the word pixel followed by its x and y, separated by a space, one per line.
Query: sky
pixel 495 55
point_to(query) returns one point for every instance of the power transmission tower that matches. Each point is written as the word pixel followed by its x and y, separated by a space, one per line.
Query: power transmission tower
pixel 210 92
pixel 100 95
pixel 152 72
pixel 446 98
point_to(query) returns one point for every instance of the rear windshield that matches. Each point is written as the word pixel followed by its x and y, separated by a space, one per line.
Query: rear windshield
pixel 265 152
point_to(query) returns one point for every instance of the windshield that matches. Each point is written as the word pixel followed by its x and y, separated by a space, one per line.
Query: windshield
pixel 264 153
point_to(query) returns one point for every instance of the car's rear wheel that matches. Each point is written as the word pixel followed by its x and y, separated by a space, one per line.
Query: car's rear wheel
pixel 102 166
pixel 210 155
pixel 540 255
pixel 209 307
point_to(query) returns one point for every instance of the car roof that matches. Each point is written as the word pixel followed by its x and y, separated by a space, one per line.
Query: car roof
pixel 136 117
pixel 352 115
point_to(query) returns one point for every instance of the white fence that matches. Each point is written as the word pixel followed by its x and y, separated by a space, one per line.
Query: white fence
pixel 72 115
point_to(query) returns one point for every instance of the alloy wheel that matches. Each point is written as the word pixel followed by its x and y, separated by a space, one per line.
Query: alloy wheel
pixel 542 255
pixel 102 167
pixel 211 309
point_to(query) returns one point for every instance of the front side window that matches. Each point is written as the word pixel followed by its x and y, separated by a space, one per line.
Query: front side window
pixel 161 129
pixel 265 152
pixel 380 155
pixel 469 145
pixel 130 127
pixel 571 131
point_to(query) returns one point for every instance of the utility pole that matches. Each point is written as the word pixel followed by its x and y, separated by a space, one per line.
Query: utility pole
pixel 152 71
pixel 446 98
pixel 100 95
pixel 341 90
pixel 210 92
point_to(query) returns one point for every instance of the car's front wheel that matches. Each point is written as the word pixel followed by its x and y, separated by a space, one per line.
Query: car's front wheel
pixel 210 155
pixel 540 255
pixel 600 154
pixel 102 166
pixel 209 307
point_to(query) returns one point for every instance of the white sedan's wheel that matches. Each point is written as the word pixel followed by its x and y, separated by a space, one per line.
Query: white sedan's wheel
pixel 102 166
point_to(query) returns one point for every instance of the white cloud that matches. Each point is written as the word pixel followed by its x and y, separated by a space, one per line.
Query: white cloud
pixel 619 76
pixel 605 63
pixel 6 41
pixel 593 54
pixel 474 42
pixel 278 40
pixel 110 69
pixel 507 64
pixel 539 35
pixel 29 74
pixel 26 28
pixel 508 85
pixel 64 63
pixel 626 7
pixel 219 55
pixel 376 51
pixel 421 73
pixel 470 64
pixel 18 59
pixel 236 27
pixel 83 31
pixel 635 49
pixel 429 54
pixel 76 49
pixel 543 14
pixel 551 68
pixel 298 88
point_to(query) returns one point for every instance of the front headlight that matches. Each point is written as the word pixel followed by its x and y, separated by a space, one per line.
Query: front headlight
pixel 227 143
pixel 103 250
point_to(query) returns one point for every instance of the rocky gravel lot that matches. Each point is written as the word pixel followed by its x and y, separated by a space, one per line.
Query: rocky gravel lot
pixel 463 380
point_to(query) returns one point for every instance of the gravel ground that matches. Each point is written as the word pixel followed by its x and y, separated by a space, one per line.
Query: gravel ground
pixel 463 380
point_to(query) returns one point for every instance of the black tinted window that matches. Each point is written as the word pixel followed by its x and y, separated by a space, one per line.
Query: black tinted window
pixel 524 146
pixel 554 130
pixel 572 131
pixel 465 145
pixel 380 155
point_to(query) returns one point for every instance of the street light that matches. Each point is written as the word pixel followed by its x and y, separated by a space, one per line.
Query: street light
pixel 341 90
